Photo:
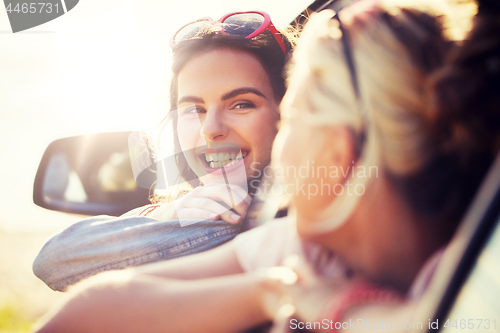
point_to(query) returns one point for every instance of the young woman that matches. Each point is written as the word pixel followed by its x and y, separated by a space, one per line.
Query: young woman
pixel 359 96
pixel 234 107
pixel 226 87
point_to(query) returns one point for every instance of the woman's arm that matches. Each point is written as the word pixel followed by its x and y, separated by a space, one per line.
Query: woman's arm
pixel 219 261
pixel 215 296
pixel 130 302
pixel 106 243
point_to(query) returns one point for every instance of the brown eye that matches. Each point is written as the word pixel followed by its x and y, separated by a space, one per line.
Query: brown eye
pixel 192 109
pixel 244 105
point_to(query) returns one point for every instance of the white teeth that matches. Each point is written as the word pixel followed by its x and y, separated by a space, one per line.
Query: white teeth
pixel 224 159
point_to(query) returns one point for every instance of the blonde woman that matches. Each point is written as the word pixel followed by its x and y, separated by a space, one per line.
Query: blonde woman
pixel 368 89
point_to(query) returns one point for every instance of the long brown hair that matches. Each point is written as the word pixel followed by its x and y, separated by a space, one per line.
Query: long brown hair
pixel 263 47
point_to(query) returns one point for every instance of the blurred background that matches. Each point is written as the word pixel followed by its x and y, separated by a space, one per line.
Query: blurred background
pixel 102 67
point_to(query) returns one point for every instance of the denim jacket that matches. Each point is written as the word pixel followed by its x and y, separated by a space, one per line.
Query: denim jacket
pixel 105 243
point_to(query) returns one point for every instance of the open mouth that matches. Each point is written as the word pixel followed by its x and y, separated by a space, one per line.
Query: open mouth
pixel 219 159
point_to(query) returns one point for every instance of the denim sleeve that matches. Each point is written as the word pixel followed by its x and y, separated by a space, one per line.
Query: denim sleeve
pixel 105 243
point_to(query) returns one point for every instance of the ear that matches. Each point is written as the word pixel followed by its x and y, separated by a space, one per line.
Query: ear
pixel 339 149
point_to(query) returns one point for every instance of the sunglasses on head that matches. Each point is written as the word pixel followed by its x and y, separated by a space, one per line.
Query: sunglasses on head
pixel 349 59
pixel 243 24
pixel 350 64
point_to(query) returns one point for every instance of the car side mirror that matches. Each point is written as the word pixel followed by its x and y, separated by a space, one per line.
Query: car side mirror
pixel 89 174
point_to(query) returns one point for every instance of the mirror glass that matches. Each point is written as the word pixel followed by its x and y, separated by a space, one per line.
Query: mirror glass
pixel 90 174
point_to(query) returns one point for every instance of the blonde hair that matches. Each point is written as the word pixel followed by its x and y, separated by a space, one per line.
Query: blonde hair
pixel 395 52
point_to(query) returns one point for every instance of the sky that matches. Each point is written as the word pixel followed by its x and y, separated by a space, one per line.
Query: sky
pixel 102 67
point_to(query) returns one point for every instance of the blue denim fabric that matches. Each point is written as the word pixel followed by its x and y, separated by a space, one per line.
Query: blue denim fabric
pixel 105 243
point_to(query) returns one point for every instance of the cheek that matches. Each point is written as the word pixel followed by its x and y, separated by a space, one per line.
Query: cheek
pixel 288 154
pixel 290 144
pixel 260 133
pixel 264 143
pixel 189 134
pixel 306 173
pixel 189 139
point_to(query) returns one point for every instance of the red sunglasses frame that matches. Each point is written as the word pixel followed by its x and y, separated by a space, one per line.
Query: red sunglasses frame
pixel 267 24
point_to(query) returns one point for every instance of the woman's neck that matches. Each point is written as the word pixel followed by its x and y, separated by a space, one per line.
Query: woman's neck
pixel 383 239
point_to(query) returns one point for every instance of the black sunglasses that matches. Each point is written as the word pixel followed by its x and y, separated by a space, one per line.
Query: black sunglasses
pixel 349 59
pixel 346 45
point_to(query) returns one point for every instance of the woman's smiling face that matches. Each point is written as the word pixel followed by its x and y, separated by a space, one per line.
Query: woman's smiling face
pixel 227 112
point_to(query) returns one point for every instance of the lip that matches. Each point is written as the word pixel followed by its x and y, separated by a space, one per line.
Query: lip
pixel 227 169
pixel 222 149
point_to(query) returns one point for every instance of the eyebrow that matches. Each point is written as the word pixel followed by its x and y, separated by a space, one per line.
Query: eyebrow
pixel 190 99
pixel 226 96
pixel 242 91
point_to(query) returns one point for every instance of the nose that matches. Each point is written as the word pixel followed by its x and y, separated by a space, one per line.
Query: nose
pixel 213 126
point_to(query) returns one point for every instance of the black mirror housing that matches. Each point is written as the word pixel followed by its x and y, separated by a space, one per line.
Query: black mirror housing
pixel 90 175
